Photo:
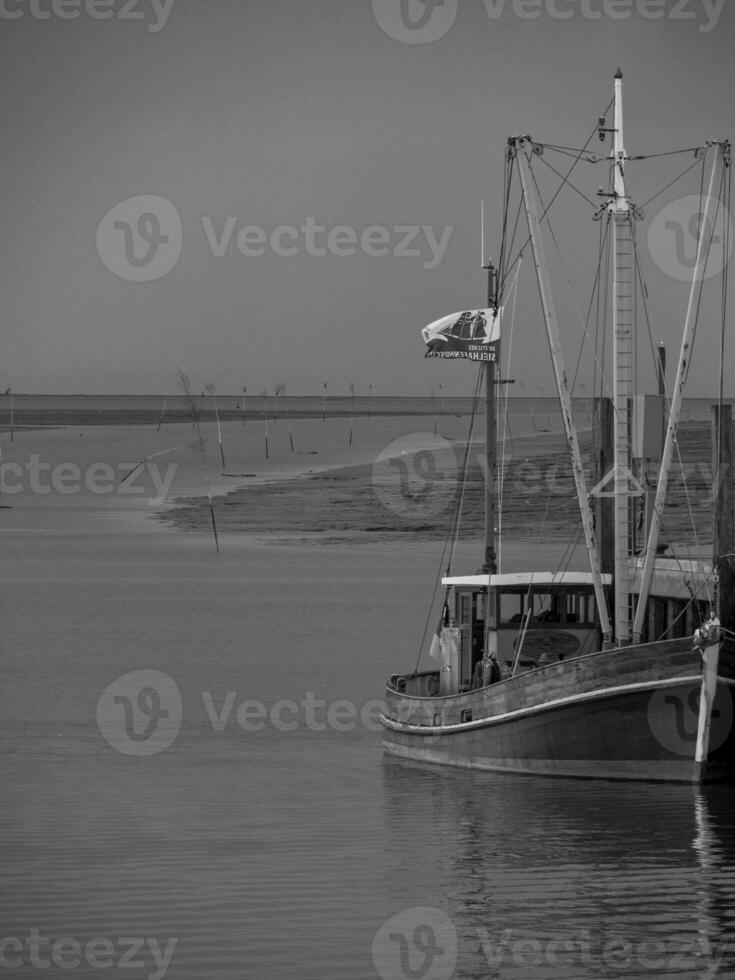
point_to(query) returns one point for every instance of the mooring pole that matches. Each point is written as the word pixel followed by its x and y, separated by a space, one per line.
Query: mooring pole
pixel 490 565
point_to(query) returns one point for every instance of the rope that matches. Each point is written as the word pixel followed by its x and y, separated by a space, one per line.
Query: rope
pixel 672 182
pixel 465 466
pixel 667 153
pixel 583 322
pixel 566 177
pixel 502 272
pixel 452 531
pixel 643 294
pixel 721 396
pixel 565 181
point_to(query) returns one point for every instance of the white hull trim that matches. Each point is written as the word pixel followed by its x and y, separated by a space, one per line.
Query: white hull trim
pixel 465 726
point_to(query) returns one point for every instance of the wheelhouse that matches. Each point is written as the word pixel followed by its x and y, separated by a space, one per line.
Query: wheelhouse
pixel 525 620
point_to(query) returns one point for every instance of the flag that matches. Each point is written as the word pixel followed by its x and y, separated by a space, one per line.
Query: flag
pixel 473 335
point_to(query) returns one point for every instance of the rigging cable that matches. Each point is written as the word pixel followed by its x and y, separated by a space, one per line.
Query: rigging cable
pixel 670 184
pixel 501 481
pixel 565 181
pixel 643 293
pixel 465 465
pixel 583 323
pixel 452 531
pixel 568 174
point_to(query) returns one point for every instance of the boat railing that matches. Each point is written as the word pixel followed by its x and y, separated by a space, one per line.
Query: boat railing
pixel 419 684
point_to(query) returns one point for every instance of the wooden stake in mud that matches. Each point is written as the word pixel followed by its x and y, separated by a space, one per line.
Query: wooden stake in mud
pixel 163 410
pixel 201 447
pixel 352 409
pixel 211 392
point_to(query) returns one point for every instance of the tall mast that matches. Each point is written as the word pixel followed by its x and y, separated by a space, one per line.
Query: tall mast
pixel 622 374
pixel 490 565
pixel 521 146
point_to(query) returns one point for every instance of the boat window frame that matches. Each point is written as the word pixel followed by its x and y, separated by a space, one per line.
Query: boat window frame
pixel 582 596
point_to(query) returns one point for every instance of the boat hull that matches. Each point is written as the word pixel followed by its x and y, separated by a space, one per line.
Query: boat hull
pixel 621 714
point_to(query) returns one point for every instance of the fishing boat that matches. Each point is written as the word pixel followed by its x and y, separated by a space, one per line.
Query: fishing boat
pixel 624 669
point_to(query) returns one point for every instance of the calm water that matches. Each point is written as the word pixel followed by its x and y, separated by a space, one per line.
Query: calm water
pixel 273 839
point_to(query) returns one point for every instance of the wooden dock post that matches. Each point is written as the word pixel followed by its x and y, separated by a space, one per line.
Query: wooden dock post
pixel 602 442
pixel 724 511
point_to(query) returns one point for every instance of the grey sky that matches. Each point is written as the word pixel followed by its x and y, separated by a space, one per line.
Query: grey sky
pixel 273 112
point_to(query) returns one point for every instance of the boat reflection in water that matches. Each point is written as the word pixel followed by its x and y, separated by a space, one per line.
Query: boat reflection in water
pixel 558 878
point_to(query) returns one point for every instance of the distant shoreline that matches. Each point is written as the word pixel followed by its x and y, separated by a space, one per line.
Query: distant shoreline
pixel 37 411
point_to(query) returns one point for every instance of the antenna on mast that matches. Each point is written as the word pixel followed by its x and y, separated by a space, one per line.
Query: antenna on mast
pixel 482 232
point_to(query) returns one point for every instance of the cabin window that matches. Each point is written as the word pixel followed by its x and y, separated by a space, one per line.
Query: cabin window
pixel 658 618
pixel 574 609
pixel 466 715
pixel 511 607
pixel 678 618
pixel 490 609
pixel 480 606
pixel 579 608
pixel 545 607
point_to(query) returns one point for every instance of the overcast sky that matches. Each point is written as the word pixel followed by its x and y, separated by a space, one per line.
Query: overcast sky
pixel 292 119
